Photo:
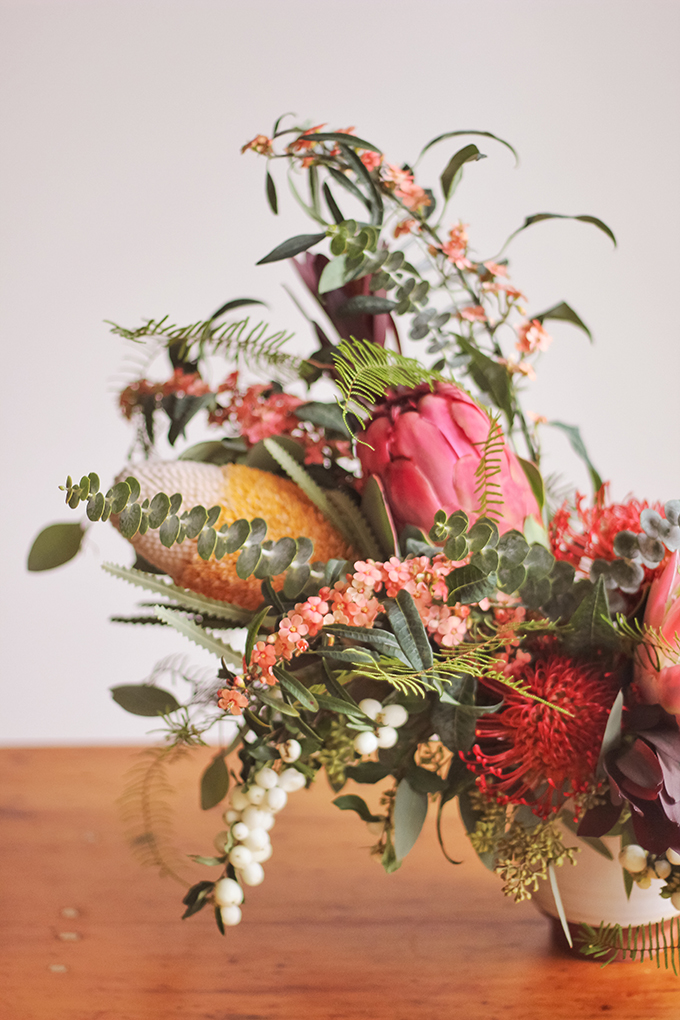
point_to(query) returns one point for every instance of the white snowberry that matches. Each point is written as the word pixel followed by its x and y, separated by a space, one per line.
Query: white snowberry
pixel 276 798
pixel 256 794
pixel 260 856
pixel 239 799
pixel 291 780
pixel 290 751
pixel 257 839
pixel 387 736
pixel 227 892
pixel 252 873
pixel 266 778
pixel 672 856
pixel 662 869
pixel 633 858
pixel 231 915
pixel 254 818
pixel 230 816
pixel 370 707
pixel 366 742
pixel 394 715
pixel 239 831
pixel 240 856
pixel 267 821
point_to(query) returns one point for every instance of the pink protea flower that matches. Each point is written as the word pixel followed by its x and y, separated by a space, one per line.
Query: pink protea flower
pixel 656 672
pixel 425 447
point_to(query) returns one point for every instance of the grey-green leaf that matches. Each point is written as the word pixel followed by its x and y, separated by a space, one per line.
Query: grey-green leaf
pixel 566 313
pixel 578 446
pixel 468 154
pixel 410 810
pixel 293 246
pixel 55 545
pixel 214 783
pixel 144 699
pixel 351 802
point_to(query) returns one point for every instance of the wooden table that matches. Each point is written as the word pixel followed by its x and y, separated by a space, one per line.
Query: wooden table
pixel 90 935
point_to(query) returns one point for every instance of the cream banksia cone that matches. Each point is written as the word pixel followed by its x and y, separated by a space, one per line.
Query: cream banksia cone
pixel 242 492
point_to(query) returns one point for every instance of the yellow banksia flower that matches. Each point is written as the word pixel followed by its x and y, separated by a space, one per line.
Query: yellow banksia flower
pixel 242 492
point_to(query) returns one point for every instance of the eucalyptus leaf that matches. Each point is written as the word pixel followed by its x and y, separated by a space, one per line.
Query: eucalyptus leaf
pixel 351 802
pixel 410 810
pixel 214 782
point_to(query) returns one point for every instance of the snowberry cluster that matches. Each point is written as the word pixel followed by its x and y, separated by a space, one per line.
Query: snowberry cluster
pixel 635 860
pixel 387 721
pixel 250 818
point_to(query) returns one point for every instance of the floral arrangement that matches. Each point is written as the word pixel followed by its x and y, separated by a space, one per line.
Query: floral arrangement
pixel 423 609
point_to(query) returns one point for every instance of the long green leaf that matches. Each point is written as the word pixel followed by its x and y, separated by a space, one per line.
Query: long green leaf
pixel 341 136
pixel 351 802
pixel 199 636
pixel 539 217
pixel 467 155
pixel 297 689
pixel 293 246
pixel 456 134
pixel 410 810
pixel 565 313
pixel 573 434
pixel 187 599
pixel 409 630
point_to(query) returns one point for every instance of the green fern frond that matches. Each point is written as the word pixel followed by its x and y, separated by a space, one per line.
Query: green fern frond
pixel 606 942
pixel 146 813
pixel 235 340
pixel 366 371
pixel 488 490
pixel 182 596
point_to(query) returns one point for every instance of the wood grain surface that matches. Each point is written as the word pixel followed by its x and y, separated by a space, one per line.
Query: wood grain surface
pixel 90 935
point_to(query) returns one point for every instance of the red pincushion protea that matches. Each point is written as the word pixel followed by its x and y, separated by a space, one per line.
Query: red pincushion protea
pixel 591 535
pixel 529 753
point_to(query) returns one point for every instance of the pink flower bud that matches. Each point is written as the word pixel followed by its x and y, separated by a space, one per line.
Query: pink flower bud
pixel 657 676
pixel 425 446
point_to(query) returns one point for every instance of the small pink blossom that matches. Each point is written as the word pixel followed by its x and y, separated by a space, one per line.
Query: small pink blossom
pixel 370 159
pixel 473 313
pixel 532 337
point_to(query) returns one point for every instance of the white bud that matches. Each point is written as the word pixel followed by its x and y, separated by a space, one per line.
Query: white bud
pixel 254 818
pixel 291 780
pixel 231 915
pixel 276 798
pixel 290 751
pixel 240 856
pixel 230 816
pixel 260 856
pixel 227 892
pixel 645 881
pixel 256 794
pixel 250 737
pixel 375 828
pixel 675 900
pixel 387 736
pixel 239 831
pixel 266 778
pixel 394 715
pixel 672 856
pixel 257 839
pixel 662 869
pixel 633 858
pixel 252 873
pixel 366 743
pixel 370 707
pixel 239 799
pixel 220 840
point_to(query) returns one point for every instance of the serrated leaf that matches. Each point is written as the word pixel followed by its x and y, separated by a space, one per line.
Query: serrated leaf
pixel 199 636
pixel 469 153
pixel 293 246
pixel 187 599
pixel 144 699
pixel 375 509
pixel 410 810
pixel 214 783
pixel 351 802
pixel 347 517
pixel 55 545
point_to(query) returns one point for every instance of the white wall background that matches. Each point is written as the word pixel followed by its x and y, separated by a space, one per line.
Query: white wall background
pixel 124 195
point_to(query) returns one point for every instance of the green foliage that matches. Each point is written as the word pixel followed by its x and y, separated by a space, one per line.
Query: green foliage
pixel 488 490
pixel 350 802
pixel 365 371
pixel 145 699
pixel 55 545
pixel 236 341
pixel 540 217
pixel 214 782
pixel 410 810
pixel 293 246
pixel 573 434
pixel 653 940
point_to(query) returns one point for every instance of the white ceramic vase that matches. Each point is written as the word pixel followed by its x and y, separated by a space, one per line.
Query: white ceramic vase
pixel 592 891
